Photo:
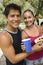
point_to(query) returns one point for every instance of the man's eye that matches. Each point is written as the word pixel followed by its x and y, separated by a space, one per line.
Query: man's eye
pixel 24 17
pixel 12 15
pixel 18 15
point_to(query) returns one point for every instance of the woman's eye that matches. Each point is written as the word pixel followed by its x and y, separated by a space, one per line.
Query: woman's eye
pixel 29 17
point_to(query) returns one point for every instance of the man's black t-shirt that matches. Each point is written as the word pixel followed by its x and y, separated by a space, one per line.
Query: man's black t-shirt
pixel 16 44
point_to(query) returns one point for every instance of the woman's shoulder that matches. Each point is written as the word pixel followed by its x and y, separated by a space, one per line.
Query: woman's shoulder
pixel 23 31
pixel 38 27
pixel 24 35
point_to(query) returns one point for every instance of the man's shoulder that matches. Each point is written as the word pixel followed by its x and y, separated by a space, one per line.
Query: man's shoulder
pixel 4 36
pixel 19 29
pixel 5 39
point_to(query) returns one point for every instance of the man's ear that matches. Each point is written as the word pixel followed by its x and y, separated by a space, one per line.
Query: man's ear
pixel 6 19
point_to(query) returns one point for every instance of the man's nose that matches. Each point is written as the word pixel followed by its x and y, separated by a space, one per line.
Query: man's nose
pixel 15 18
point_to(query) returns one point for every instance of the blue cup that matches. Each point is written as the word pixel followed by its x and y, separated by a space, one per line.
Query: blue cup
pixel 27 43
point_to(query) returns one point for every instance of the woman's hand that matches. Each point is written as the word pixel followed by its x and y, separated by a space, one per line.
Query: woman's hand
pixel 37 47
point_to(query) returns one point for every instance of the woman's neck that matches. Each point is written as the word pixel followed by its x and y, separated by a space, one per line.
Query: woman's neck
pixel 30 27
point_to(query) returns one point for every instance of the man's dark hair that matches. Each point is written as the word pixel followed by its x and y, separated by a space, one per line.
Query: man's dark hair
pixel 10 7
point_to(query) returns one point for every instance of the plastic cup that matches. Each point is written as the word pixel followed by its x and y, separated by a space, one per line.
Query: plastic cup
pixel 27 43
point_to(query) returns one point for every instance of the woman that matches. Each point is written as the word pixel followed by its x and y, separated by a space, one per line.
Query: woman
pixel 31 31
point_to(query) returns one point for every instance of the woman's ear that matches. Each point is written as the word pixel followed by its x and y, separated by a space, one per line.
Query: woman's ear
pixel 34 18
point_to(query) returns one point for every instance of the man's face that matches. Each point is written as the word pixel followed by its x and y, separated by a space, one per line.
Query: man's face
pixel 13 18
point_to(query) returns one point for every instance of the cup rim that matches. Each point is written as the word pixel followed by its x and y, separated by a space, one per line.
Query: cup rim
pixel 26 39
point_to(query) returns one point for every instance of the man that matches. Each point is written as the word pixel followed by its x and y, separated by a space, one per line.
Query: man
pixel 10 38
pixel 36 20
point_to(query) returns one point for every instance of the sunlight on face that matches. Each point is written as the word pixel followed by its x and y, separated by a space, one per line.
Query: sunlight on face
pixel 13 18
pixel 28 18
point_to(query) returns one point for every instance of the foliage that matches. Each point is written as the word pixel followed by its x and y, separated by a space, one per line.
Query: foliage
pixel 2 21
pixel 28 6
pixel 5 2
pixel 35 5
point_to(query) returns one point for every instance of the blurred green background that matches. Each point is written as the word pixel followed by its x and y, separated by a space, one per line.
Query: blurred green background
pixel 35 5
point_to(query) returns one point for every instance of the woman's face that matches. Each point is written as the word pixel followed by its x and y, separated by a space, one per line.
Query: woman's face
pixel 28 18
